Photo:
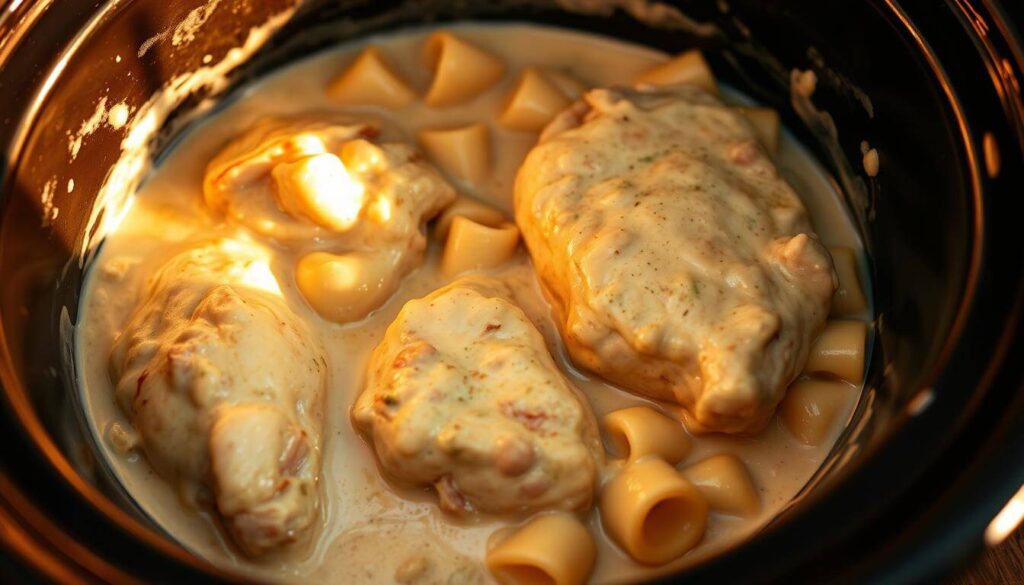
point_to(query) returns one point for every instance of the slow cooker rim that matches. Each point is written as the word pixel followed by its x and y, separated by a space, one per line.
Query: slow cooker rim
pixel 17 402
pixel 965 306
pixel 33 425
pixel 17 23
pixel 967 310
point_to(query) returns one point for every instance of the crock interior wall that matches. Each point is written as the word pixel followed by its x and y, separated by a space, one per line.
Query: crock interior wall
pixel 918 238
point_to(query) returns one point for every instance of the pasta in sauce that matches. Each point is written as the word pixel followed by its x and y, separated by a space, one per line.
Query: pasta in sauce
pixel 428 129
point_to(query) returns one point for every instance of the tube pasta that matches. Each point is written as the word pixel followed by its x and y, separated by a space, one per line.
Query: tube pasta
pixel 346 287
pixel 811 408
pixel 469 208
pixel 653 512
pixel 461 71
pixel 639 431
pixel 472 246
pixel 533 102
pixel 553 549
pixel 689 67
pixel 726 484
pixel 839 350
pixel 849 297
pixel 369 80
pixel 464 153
pixel 571 87
pixel 766 125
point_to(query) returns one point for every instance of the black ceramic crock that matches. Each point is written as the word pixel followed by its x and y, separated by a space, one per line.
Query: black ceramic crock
pixel 937 446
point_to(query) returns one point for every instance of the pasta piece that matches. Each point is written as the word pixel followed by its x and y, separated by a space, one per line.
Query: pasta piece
pixel 725 483
pixel 766 126
pixel 469 208
pixel 370 81
pixel 689 67
pixel 640 430
pixel 534 101
pixel 464 153
pixel 553 549
pixel 570 86
pixel 347 287
pixel 653 512
pixel 472 246
pixel 839 350
pixel 461 71
pixel 849 298
pixel 811 408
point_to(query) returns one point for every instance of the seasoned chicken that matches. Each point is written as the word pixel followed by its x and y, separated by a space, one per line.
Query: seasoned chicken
pixel 224 385
pixel 355 209
pixel 463 394
pixel 682 265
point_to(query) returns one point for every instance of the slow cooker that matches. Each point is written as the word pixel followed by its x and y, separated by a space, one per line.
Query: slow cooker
pixel 936 447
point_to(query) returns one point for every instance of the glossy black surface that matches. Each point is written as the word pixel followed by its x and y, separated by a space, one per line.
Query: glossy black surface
pixel 947 262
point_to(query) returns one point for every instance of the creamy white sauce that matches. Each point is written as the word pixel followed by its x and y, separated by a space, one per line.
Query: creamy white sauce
pixel 370 528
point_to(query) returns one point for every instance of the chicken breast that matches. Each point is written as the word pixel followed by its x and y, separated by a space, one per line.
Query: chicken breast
pixel 682 264
pixel 354 209
pixel 224 385
pixel 463 394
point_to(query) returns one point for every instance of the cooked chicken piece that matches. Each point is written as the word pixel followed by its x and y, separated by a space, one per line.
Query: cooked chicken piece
pixel 224 385
pixel 682 264
pixel 463 394
pixel 360 207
